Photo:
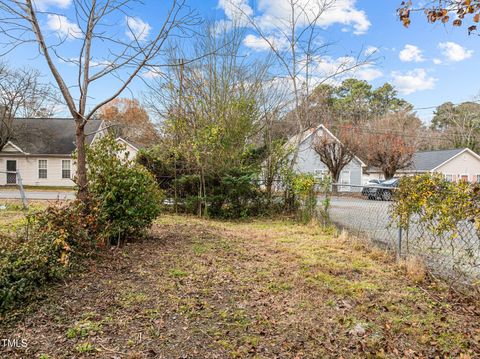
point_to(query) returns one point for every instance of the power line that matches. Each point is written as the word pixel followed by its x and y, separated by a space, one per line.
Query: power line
pixel 434 107
pixel 431 135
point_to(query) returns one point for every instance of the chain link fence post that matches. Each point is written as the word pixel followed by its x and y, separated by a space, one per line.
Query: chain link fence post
pixel 399 242
pixel 22 190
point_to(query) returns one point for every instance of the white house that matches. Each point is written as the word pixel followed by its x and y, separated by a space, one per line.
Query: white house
pixel 461 164
pixel 308 161
pixel 41 151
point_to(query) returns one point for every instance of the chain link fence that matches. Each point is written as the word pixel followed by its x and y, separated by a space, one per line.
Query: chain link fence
pixel 366 211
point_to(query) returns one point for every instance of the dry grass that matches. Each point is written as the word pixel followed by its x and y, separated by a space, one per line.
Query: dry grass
pixel 414 268
pixel 259 289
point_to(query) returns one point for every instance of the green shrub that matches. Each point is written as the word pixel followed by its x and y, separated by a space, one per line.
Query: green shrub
pixel 128 196
pixel 304 189
pixel 439 204
pixel 237 195
pixel 42 250
pixel 233 192
pixel 26 264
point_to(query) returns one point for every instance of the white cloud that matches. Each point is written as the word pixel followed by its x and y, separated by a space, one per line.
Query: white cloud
pixel 152 73
pixel 63 27
pixel 411 53
pixel 337 70
pixel 43 5
pixel 275 14
pixel 454 52
pixel 437 61
pixel 368 73
pixel 370 50
pixel 74 61
pixel 235 8
pixel 137 28
pixel 413 81
pixel 343 12
pixel 259 44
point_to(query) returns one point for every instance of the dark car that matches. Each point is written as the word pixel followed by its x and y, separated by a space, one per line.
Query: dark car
pixel 383 191
pixel 368 185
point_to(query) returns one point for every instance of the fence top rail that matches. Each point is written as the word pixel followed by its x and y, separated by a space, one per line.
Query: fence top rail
pixel 364 186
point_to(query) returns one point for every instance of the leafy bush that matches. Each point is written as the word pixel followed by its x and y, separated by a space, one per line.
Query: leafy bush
pixel 128 196
pixel 42 250
pixel 25 265
pixel 439 204
pixel 230 193
pixel 325 186
pixel 236 196
pixel 304 189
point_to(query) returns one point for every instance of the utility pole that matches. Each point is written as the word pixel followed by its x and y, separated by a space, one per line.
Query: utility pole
pixel 181 112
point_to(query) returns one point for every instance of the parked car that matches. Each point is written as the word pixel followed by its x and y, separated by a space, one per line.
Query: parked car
pixel 369 184
pixel 383 191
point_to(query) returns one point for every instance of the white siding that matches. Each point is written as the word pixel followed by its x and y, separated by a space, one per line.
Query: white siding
pixel 129 150
pixel 464 164
pixel 28 168
pixel 308 161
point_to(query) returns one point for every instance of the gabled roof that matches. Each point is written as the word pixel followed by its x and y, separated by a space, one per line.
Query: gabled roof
pixel 430 160
pixel 305 135
pixel 120 139
pixel 15 147
pixel 49 136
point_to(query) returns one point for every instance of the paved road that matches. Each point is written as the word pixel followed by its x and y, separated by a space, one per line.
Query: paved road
pixel 368 217
pixel 38 195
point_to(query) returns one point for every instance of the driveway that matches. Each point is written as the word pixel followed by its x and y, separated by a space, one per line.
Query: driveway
pixel 38 195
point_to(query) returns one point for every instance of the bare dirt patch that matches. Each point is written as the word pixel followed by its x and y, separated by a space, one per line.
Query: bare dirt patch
pixel 263 289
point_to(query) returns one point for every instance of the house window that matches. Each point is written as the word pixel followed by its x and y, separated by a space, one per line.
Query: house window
pixel 66 171
pixel 449 178
pixel 478 178
pixel 42 168
pixel 464 178
pixel 321 174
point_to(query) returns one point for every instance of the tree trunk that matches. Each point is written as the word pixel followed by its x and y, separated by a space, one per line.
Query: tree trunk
pixel 335 179
pixel 81 177
pixel 268 185
pixel 388 174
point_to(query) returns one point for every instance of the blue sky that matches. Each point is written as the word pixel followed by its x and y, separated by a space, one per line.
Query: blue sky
pixel 428 64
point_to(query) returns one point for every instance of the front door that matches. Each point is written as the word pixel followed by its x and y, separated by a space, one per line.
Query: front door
pixel 344 179
pixel 11 167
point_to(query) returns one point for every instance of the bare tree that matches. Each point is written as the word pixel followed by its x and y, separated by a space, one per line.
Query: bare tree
pixel 391 142
pixel 22 95
pixel 336 154
pixel 91 30
pixel 458 125
pixel 295 43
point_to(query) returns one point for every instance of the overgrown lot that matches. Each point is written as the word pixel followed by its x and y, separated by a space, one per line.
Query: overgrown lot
pixel 199 288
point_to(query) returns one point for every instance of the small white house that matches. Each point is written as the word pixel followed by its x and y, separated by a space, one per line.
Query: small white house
pixel 41 151
pixel 308 161
pixel 461 164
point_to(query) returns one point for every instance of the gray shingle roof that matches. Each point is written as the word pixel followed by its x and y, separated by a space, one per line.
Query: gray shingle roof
pixel 53 136
pixel 428 160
